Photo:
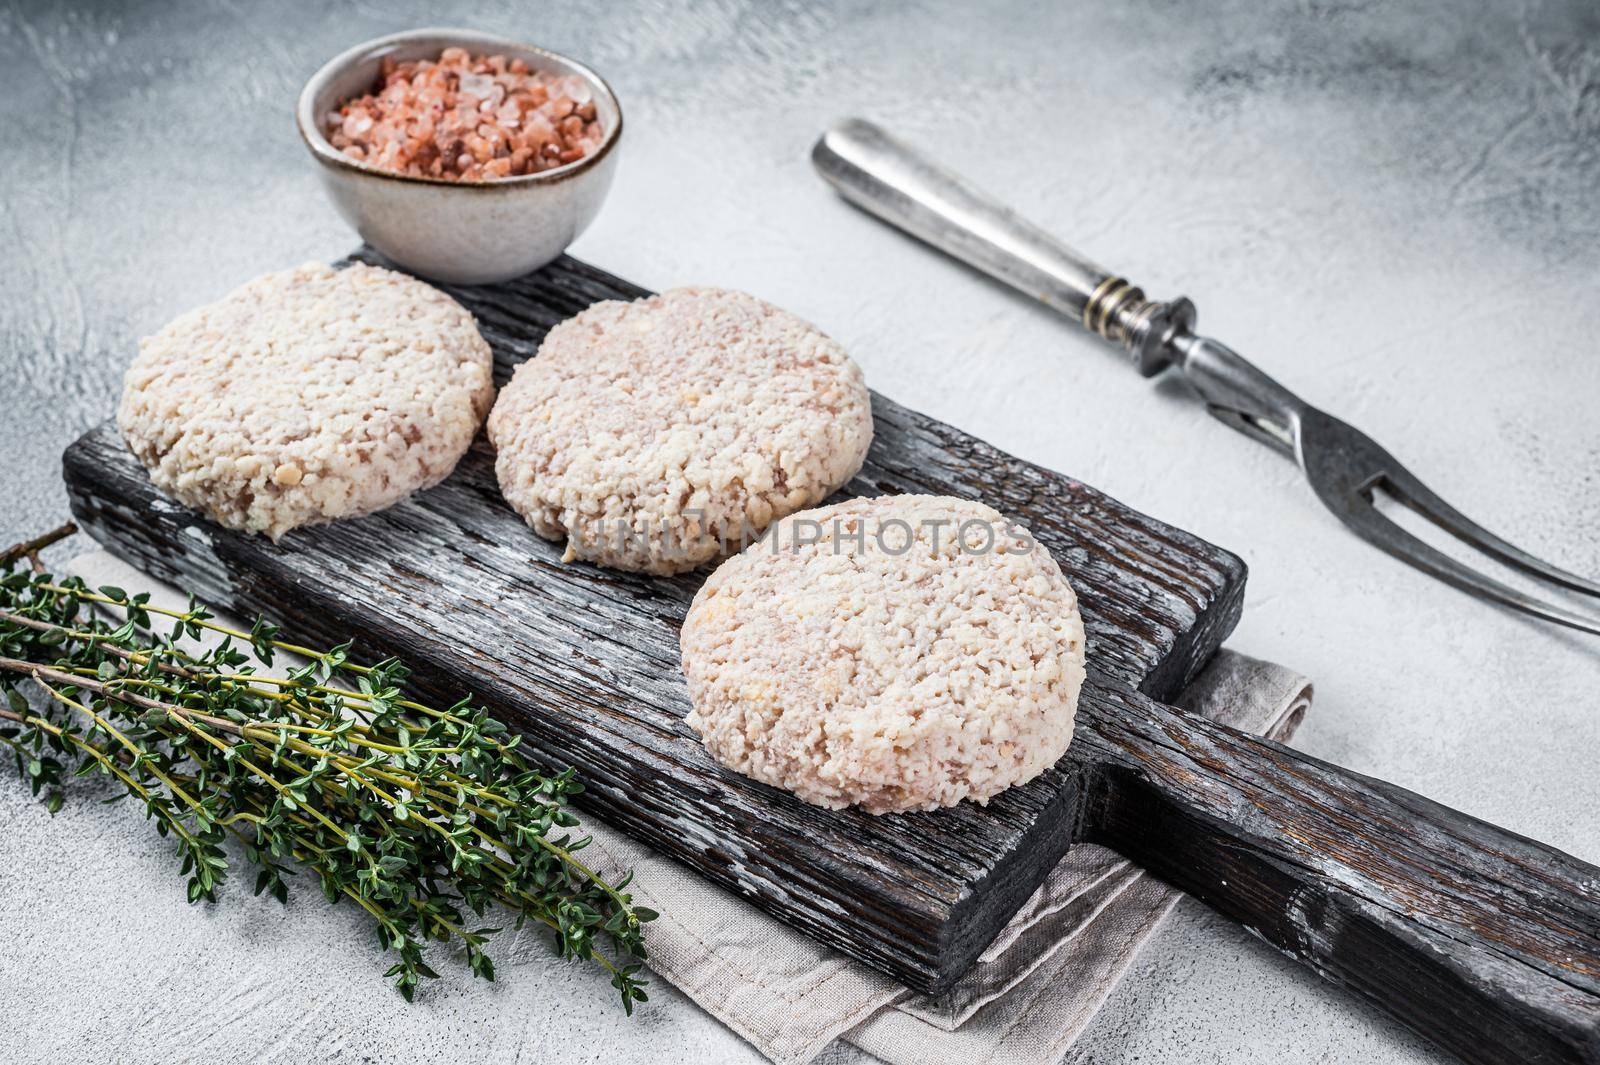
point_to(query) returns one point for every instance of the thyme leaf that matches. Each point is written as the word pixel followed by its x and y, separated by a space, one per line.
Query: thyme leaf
pixel 426 818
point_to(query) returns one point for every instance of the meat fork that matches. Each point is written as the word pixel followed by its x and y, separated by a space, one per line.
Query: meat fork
pixel 881 175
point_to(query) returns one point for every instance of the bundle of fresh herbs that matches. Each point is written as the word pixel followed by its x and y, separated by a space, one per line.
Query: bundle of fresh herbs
pixel 426 818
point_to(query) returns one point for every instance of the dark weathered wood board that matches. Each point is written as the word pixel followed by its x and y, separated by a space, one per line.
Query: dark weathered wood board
pixel 585 661
pixel 1482 940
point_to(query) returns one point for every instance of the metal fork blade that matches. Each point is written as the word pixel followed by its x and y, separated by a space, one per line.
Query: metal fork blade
pixel 1419 497
pixel 1376 529
pixel 1345 466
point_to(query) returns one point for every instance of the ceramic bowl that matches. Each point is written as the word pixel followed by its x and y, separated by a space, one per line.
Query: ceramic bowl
pixel 463 232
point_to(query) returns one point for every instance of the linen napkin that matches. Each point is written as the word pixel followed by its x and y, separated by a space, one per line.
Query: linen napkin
pixel 1031 993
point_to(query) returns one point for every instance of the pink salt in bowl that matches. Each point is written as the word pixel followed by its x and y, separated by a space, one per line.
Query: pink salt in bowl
pixel 462 231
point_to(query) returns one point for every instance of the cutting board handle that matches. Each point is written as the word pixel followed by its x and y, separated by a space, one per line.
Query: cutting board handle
pixel 1485 941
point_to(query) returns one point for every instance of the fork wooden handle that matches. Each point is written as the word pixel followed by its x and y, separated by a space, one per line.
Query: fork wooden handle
pixel 1484 941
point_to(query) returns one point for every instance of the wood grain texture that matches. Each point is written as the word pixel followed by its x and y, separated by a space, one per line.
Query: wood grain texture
pixel 1484 941
pixel 1480 939
pixel 585 662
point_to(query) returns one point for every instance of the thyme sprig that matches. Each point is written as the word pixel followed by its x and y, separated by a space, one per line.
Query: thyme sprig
pixel 426 818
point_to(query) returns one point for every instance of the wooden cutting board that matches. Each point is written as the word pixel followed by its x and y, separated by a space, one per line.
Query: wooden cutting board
pixel 1480 939
pixel 585 661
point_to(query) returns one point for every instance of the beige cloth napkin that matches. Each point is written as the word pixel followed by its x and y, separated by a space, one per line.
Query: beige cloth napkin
pixel 1025 1001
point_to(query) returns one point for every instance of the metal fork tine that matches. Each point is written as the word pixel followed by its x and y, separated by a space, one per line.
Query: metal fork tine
pixel 1345 466
pixel 1413 493
pixel 1372 526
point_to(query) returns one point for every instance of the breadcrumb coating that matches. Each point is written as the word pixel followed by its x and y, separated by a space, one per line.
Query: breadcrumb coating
pixel 659 434
pixel 307 395
pixel 900 653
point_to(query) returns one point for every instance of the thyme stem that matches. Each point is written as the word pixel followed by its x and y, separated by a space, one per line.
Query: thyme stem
pixel 417 814
pixel 30 548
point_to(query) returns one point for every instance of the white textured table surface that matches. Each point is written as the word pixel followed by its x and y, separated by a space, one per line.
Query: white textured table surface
pixel 1392 211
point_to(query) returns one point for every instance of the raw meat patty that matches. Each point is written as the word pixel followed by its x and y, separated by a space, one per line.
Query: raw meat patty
pixel 901 653
pixel 307 395
pixel 659 434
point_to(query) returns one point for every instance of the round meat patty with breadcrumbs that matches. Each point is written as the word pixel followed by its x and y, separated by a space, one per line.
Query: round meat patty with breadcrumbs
pixel 308 395
pixel 659 434
pixel 900 653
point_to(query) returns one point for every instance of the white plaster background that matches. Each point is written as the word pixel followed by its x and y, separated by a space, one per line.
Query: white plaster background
pixel 1391 208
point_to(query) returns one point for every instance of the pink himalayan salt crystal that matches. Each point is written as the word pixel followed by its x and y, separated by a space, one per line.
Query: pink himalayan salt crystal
pixel 467 118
